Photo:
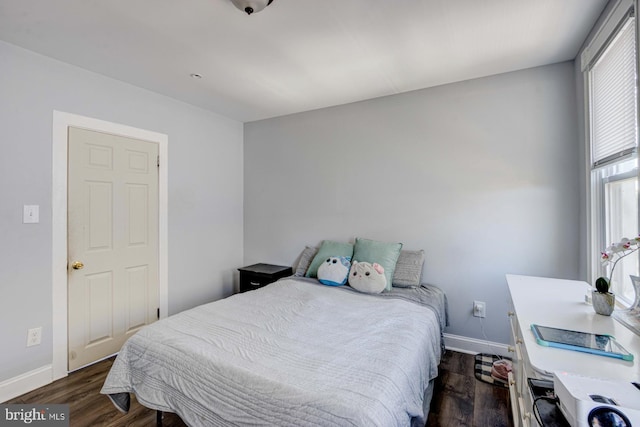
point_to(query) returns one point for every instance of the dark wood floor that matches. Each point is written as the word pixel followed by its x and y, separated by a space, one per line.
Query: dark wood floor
pixel 459 399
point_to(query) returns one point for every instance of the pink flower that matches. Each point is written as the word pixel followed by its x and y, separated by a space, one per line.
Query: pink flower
pixel 621 249
pixel 625 243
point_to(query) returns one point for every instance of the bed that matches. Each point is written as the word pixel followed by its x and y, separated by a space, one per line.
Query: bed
pixel 294 353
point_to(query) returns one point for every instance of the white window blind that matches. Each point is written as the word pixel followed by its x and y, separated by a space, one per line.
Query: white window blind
pixel 612 80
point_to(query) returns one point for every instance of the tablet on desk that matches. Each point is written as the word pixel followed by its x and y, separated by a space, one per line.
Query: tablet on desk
pixel 603 345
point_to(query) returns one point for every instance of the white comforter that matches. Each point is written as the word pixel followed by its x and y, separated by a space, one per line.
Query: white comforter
pixel 293 353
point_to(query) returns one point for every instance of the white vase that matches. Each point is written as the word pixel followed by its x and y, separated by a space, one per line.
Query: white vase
pixel 635 307
pixel 603 303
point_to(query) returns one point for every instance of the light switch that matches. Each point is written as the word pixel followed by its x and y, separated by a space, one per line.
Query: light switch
pixel 31 214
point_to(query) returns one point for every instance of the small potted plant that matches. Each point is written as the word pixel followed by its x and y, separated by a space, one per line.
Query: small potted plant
pixel 604 300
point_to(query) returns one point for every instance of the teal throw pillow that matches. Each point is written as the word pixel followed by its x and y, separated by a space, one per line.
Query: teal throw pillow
pixel 328 249
pixel 384 253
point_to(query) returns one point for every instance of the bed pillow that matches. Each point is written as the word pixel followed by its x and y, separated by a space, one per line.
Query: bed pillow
pixel 368 278
pixel 305 260
pixel 408 272
pixel 328 249
pixel 384 253
pixel 334 271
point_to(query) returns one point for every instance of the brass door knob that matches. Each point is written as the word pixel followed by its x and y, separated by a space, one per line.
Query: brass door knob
pixel 77 265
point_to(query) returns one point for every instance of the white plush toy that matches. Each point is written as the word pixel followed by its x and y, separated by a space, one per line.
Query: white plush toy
pixel 368 278
pixel 334 271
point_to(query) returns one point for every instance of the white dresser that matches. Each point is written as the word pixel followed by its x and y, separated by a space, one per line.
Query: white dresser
pixel 558 303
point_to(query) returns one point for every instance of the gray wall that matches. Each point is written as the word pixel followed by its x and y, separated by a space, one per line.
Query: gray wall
pixel 482 175
pixel 205 191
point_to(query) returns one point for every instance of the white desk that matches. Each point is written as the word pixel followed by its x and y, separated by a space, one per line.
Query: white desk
pixel 559 303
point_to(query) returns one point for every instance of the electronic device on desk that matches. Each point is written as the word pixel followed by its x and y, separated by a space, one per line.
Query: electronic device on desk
pixel 586 342
pixel 586 401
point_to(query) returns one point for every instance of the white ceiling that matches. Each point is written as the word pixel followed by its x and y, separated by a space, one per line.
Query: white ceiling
pixel 297 55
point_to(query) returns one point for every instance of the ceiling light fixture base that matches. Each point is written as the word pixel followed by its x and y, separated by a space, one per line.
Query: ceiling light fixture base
pixel 251 6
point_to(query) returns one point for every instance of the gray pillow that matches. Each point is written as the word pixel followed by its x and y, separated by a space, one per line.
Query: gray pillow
pixel 408 272
pixel 306 257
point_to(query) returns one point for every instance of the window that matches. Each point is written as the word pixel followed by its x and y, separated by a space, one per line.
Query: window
pixel 612 97
pixel 616 199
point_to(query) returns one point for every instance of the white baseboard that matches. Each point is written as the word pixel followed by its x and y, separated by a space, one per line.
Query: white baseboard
pixel 25 383
pixel 474 346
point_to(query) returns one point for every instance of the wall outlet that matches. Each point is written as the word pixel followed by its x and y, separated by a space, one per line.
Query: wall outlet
pixel 34 336
pixel 479 309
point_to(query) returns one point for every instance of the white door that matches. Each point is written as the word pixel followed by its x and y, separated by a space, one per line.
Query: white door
pixel 112 242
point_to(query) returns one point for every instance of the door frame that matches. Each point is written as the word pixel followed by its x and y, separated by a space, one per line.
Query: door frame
pixel 61 123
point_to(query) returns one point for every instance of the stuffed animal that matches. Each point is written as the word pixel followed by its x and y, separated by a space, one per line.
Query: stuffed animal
pixel 334 271
pixel 367 277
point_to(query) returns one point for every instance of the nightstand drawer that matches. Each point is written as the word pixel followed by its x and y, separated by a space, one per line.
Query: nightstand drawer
pixel 259 275
pixel 252 282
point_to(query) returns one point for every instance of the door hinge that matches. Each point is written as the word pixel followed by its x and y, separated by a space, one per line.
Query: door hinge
pixel 158 164
pixel 158 313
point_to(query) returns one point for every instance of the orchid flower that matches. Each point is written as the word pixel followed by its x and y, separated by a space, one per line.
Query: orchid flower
pixel 616 251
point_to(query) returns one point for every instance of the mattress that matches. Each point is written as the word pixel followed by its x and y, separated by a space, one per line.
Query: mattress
pixel 294 353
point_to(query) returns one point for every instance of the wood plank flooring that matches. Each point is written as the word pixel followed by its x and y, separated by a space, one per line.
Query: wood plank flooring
pixel 81 391
pixel 459 399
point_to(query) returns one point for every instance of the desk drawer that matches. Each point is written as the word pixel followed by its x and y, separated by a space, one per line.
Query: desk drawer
pixel 525 417
pixel 513 400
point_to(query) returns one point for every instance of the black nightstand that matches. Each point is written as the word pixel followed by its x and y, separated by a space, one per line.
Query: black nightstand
pixel 258 275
